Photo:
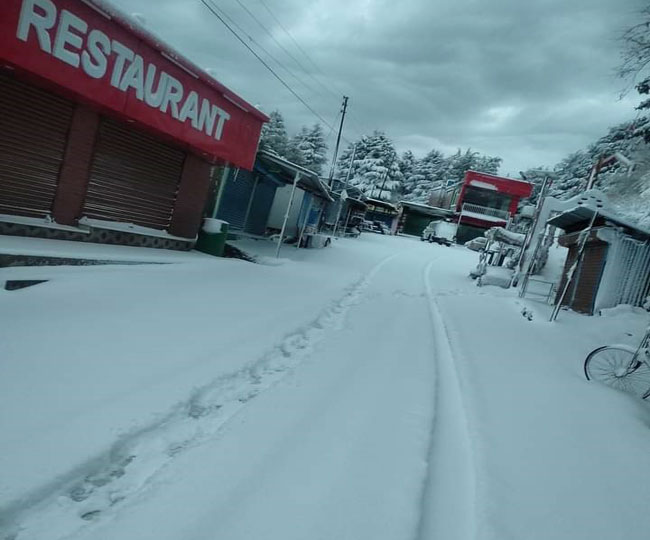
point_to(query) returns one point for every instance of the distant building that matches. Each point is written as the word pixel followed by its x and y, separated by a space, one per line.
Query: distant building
pixel 383 211
pixel 487 201
pixel 416 216
pixel 254 203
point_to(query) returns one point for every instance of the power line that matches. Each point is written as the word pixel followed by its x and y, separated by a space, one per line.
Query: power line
pixel 275 40
pixel 214 10
pixel 260 47
pixel 277 20
pixel 359 130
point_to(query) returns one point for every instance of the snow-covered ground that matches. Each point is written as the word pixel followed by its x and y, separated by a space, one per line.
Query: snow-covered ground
pixel 367 390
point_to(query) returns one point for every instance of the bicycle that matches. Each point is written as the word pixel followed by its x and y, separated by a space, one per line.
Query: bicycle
pixel 622 367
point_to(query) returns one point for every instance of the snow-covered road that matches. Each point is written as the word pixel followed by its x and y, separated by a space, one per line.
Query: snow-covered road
pixel 373 393
pixel 337 449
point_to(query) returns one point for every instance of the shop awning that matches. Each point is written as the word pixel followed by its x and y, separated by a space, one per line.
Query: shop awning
pixel 427 209
pixel 580 216
pixel 285 171
pixel 383 204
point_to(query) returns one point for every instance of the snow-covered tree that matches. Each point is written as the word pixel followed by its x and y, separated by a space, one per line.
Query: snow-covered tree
pixel 535 175
pixel 461 162
pixel 308 148
pixel 407 163
pixel 573 171
pixel 274 135
pixel 630 192
pixel 636 64
pixel 488 164
pixel 427 175
pixel 294 153
pixel 375 169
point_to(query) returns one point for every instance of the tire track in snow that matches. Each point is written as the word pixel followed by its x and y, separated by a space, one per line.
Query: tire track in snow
pixel 448 501
pixel 103 484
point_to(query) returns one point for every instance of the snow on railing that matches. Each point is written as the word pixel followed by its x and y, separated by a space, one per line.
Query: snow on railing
pixel 485 211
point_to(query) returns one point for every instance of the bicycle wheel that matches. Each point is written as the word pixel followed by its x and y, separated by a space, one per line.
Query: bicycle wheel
pixel 616 366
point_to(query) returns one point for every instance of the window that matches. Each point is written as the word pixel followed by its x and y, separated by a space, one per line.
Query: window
pixel 487 198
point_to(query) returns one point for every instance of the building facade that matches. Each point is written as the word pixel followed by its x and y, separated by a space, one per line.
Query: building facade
pixel 108 135
pixel 485 201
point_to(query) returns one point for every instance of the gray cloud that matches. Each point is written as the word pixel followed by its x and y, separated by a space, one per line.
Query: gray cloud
pixel 529 81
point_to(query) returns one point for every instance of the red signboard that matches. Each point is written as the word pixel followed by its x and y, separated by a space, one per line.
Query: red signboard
pixel 92 51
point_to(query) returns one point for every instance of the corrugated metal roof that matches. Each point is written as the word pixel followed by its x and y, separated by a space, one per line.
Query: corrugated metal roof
pixel 583 214
pixel 285 171
pixel 427 209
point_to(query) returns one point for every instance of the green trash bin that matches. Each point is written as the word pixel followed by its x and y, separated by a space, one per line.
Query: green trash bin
pixel 212 237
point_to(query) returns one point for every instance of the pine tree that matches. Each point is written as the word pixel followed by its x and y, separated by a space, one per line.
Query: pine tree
pixel 573 171
pixel 488 164
pixel 427 175
pixel 274 135
pixel 406 166
pixel 308 148
pixel 459 163
pixel 296 149
pixel 375 169
pixel 636 58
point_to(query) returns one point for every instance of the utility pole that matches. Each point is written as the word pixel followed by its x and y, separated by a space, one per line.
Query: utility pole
pixel 338 140
pixel 383 184
pixel 345 187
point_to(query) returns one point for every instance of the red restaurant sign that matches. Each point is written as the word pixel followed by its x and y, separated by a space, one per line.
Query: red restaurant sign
pixel 92 51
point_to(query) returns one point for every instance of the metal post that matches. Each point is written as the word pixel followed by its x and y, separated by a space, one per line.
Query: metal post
pixel 304 223
pixel 338 213
pixel 593 174
pixel 529 269
pixel 345 186
pixel 286 215
pixel 347 219
pixel 338 140
pixel 538 209
pixel 576 266
pixel 459 218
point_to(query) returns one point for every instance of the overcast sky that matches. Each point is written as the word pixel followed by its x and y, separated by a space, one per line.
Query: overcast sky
pixel 527 80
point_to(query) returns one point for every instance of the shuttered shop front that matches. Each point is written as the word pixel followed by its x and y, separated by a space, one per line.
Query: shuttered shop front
pixel 236 200
pixel 134 178
pixel 258 215
pixel 34 126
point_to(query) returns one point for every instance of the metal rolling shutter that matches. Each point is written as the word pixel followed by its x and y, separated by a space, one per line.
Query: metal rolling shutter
pixel 133 179
pixel 34 127
pixel 261 207
pixel 236 198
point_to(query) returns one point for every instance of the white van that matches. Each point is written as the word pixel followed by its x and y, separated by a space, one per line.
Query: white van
pixel 440 232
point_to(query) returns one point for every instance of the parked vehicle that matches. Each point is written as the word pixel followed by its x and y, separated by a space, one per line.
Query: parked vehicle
pixel 375 226
pixel 440 232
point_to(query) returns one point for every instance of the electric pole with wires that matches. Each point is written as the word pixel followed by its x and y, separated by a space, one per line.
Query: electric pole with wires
pixel 338 141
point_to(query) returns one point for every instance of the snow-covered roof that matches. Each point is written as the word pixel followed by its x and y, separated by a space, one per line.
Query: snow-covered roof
pixel 383 204
pixel 309 180
pixel 582 214
pixel 427 209
pixel 496 177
